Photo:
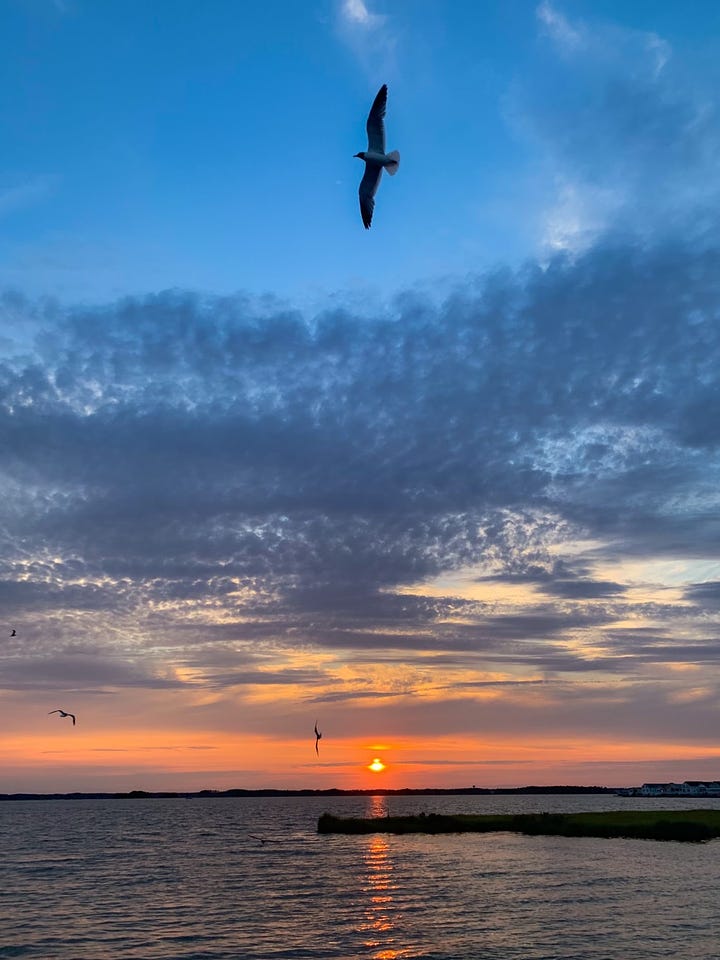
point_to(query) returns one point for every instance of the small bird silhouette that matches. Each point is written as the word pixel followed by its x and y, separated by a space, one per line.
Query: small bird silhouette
pixel 375 157
pixel 14 632
pixel 63 713
pixel 318 737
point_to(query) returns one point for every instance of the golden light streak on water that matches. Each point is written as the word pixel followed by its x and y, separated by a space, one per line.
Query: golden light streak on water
pixel 379 922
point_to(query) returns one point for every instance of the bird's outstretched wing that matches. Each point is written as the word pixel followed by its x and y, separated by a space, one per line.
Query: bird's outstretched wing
pixel 54 711
pixel 375 122
pixel 367 191
pixel 73 717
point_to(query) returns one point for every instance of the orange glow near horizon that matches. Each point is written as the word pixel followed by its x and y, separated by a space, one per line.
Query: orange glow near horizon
pixel 102 753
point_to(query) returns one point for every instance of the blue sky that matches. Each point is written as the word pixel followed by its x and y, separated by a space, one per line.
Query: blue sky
pixel 210 146
pixel 447 486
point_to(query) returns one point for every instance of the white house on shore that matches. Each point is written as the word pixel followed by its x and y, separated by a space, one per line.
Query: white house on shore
pixel 688 788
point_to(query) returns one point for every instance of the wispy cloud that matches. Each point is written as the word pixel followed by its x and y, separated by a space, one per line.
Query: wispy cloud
pixel 558 27
pixel 369 34
pixel 355 13
pixel 615 132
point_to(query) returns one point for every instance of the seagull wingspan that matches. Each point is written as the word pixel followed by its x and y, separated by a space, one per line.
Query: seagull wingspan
pixel 375 125
pixel 367 191
pixel 63 713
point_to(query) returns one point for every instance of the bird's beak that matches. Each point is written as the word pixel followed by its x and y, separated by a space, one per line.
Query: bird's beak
pixel 357 155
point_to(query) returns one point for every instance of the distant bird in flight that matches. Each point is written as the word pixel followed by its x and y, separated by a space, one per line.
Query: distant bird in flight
pixel 318 738
pixel 14 632
pixel 64 714
pixel 375 157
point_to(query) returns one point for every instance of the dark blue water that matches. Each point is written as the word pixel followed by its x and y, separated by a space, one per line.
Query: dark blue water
pixel 145 879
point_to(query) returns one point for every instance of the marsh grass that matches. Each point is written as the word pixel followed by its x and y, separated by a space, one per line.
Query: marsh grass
pixel 693 826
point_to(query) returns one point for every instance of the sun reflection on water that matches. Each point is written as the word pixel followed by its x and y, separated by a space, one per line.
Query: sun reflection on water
pixel 379 922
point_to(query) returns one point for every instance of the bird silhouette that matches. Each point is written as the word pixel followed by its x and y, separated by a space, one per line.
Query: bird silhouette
pixel 375 157
pixel 318 737
pixel 63 713
pixel 14 632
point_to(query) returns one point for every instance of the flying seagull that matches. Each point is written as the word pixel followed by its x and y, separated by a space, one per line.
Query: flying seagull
pixel 14 632
pixel 375 157
pixel 318 737
pixel 64 714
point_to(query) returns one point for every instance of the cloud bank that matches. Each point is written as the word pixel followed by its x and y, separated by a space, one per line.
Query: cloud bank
pixel 222 472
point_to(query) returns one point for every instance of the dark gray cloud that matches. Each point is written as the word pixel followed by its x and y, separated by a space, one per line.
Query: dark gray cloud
pixel 705 594
pixel 262 678
pixel 665 649
pixel 73 672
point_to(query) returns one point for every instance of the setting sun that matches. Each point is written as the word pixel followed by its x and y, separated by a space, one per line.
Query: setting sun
pixel 377 766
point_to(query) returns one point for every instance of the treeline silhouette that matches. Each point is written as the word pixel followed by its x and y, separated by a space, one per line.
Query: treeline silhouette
pixel 330 792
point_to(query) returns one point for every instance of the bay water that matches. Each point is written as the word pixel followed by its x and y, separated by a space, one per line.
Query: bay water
pixel 250 879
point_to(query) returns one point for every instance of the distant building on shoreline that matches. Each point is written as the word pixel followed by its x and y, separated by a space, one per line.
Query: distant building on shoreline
pixel 688 788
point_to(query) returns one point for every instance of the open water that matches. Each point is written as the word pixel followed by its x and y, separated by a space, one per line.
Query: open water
pixel 184 880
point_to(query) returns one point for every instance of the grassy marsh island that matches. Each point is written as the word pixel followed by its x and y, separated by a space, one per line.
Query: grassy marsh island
pixel 693 826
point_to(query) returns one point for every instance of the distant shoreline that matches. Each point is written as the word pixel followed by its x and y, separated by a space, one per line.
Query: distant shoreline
pixel 331 792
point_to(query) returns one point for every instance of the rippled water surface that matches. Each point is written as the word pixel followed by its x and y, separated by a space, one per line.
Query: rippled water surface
pixel 145 879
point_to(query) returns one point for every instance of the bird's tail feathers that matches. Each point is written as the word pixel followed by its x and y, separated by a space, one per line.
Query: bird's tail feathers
pixel 392 168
